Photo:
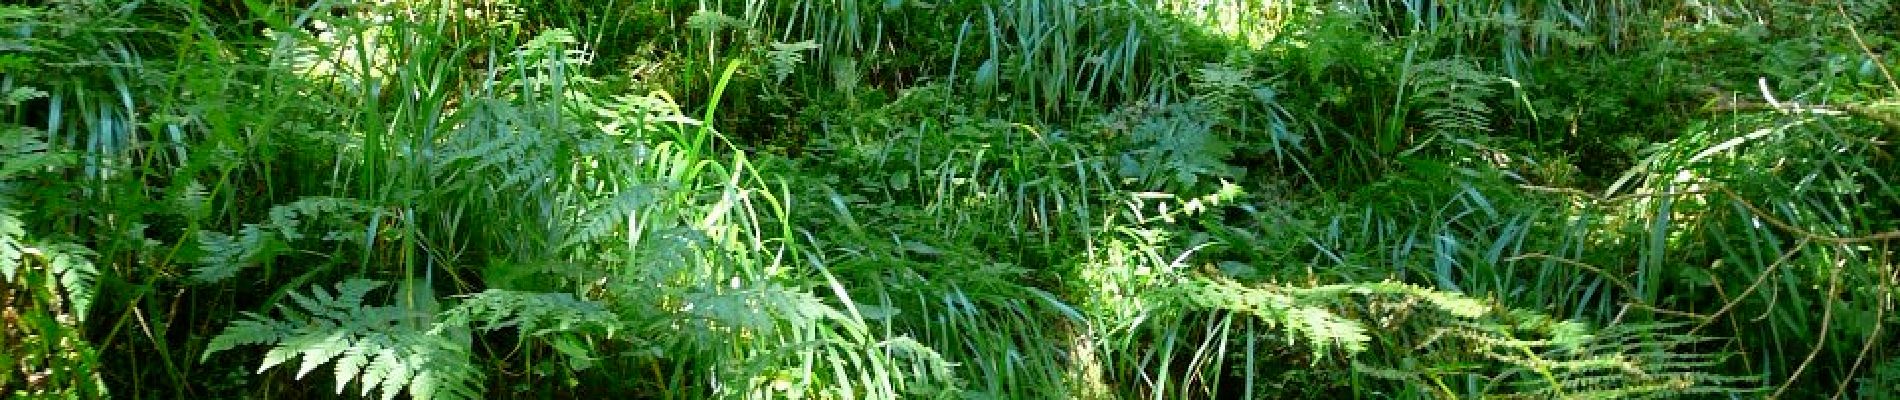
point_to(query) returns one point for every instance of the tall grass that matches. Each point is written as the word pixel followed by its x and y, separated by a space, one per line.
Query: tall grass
pixel 896 199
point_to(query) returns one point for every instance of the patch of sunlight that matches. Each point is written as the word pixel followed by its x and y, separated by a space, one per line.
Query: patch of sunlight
pixel 365 43
pixel 1252 22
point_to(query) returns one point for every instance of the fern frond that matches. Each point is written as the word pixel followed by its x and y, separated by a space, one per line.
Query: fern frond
pixel 785 57
pixel 1298 311
pixel 225 255
pixel 193 201
pixel 285 218
pixel 1565 360
pixel 1535 357
pixel 69 265
pixel 533 314
pixel 1633 361
pixel 1222 87
pixel 760 308
pixel 604 215
pixel 24 150
pixel 556 317
pixel 1452 94
pixel 20 95
pixel 712 21
pixel 74 275
pixel 1176 144
pixel 370 345
pixel 12 237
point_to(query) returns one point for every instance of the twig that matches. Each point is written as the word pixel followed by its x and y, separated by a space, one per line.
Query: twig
pixel 1854 31
pixel 1805 234
pixel 1885 119
pixel 1628 290
pixel 1827 316
pixel 1880 314
pixel 1765 273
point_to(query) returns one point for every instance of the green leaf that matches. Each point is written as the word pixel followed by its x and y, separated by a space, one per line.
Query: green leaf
pixel 785 57
pixel 72 265
pixel 12 231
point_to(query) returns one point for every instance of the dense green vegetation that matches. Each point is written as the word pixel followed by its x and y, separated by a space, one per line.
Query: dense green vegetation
pixel 1009 199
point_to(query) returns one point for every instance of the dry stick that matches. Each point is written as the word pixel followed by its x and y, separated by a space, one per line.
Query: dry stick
pixel 1747 360
pixel 1778 223
pixel 1628 290
pixel 1854 32
pixel 1765 273
pixel 1665 311
pixel 1827 316
pixel 1880 313
pixel 1806 237
pixel 1886 120
pixel 1609 199
pixel 1774 298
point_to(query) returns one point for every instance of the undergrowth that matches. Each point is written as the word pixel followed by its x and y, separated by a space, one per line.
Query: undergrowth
pixel 955 199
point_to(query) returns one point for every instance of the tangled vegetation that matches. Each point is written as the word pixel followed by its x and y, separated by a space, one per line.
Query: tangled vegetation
pixel 1011 199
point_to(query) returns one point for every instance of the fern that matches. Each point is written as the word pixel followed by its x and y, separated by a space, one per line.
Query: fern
pixel 533 314
pixel 44 341
pixel 601 218
pixel 1452 94
pixel 193 201
pixel 286 219
pixel 487 146
pixel 20 95
pixel 549 49
pixel 376 346
pixel 12 237
pixel 1538 357
pixel 1176 144
pixel 785 57
pixel 1306 314
pixel 622 115
pixel 1529 355
pixel 69 265
pixel 1882 380
pixel 712 21
pixel 73 273
pixel 24 151
pixel 760 308
pixel 225 254
pixel 1622 361
pixel 1223 87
